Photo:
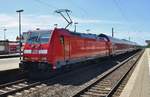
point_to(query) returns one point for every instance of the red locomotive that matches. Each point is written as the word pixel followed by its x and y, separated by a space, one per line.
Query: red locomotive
pixel 47 50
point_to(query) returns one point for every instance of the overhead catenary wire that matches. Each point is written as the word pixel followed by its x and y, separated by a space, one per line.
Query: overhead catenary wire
pixel 126 18
pixel 46 4
pixel 121 12
pixel 84 11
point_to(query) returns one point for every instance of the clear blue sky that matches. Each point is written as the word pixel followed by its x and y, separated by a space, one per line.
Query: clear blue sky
pixel 128 17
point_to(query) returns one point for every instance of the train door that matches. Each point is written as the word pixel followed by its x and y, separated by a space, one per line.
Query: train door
pixel 108 48
pixel 66 48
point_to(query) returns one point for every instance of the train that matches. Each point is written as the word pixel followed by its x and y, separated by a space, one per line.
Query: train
pixel 9 47
pixel 49 50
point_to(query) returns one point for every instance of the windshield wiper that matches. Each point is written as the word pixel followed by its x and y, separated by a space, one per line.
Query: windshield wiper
pixel 33 39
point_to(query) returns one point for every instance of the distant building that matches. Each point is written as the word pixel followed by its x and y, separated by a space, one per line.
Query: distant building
pixel 148 42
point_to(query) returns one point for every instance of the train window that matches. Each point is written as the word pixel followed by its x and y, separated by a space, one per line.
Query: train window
pixel 39 37
pixel 44 37
pixel 62 39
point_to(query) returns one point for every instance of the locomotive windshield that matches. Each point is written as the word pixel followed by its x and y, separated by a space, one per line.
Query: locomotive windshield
pixel 39 37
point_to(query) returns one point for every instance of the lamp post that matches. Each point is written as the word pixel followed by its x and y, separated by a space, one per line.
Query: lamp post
pixel 75 25
pixel 55 25
pixel 112 32
pixel 4 33
pixel 19 13
pixel 88 30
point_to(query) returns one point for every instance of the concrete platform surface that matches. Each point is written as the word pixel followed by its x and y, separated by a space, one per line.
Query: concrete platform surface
pixel 139 82
pixel 9 63
pixel 9 55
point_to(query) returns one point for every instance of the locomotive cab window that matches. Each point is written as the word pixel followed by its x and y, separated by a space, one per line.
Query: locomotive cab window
pixel 39 37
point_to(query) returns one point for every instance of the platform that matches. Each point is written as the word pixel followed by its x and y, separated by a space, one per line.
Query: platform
pixel 9 55
pixel 139 82
pixel 9 63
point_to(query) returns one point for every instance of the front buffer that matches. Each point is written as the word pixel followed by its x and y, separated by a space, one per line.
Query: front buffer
pixel 37 69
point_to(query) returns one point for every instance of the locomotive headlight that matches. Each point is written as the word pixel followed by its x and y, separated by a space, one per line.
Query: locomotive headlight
pixel 44 59
pixel 27 51
pixel 42 51
pixel 26 58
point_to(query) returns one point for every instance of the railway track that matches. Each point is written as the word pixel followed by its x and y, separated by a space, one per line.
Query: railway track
pixel 108 83
pixel 17 86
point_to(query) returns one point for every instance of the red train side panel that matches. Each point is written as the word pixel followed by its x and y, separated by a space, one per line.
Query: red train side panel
pixel 72 48
pixel 64 47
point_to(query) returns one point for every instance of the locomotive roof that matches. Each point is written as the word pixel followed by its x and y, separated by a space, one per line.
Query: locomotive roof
pixel 85 35
pixel 39 30
pixel 94 36
pixel 115 40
